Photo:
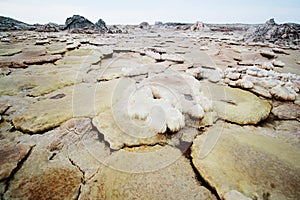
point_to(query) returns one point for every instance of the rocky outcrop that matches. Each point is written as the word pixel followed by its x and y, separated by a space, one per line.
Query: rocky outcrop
pixel 144 25
pixel 102 25
pixel 75 24
pixel 78 22
pixel 9 24
pixel 280 34
pixel 50 27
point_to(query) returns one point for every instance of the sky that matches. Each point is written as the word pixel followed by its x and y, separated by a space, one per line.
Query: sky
pixel 137 11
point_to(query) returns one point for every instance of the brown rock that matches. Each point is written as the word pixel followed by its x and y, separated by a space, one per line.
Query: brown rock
pixel 10 155
pixel 12 64
pixel 40 178
pixel 21 60
pixel 4 107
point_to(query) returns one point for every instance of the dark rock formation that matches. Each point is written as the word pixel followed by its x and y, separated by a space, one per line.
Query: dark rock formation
pixel 50 27
pixel 78 22
pixel 144 25
pixel 9 24
pixel 177 24
pixel 102 25
pixel 271 22
pixel 158 23
pixel 281 34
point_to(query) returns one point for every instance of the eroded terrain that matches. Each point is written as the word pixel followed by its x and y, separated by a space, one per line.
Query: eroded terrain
pixel 150 115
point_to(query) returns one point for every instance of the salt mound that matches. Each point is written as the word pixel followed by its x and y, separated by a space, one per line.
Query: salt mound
pixel 266 83
pixel 162 93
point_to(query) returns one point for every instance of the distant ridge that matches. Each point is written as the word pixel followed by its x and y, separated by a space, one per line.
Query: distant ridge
pixel 9 24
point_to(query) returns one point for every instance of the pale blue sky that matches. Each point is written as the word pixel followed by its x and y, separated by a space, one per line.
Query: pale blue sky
pixel 136 11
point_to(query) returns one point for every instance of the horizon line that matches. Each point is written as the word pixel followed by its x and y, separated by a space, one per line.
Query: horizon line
pixel 183 22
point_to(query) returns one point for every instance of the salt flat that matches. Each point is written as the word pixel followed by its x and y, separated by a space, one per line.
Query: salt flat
pixel 149 112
